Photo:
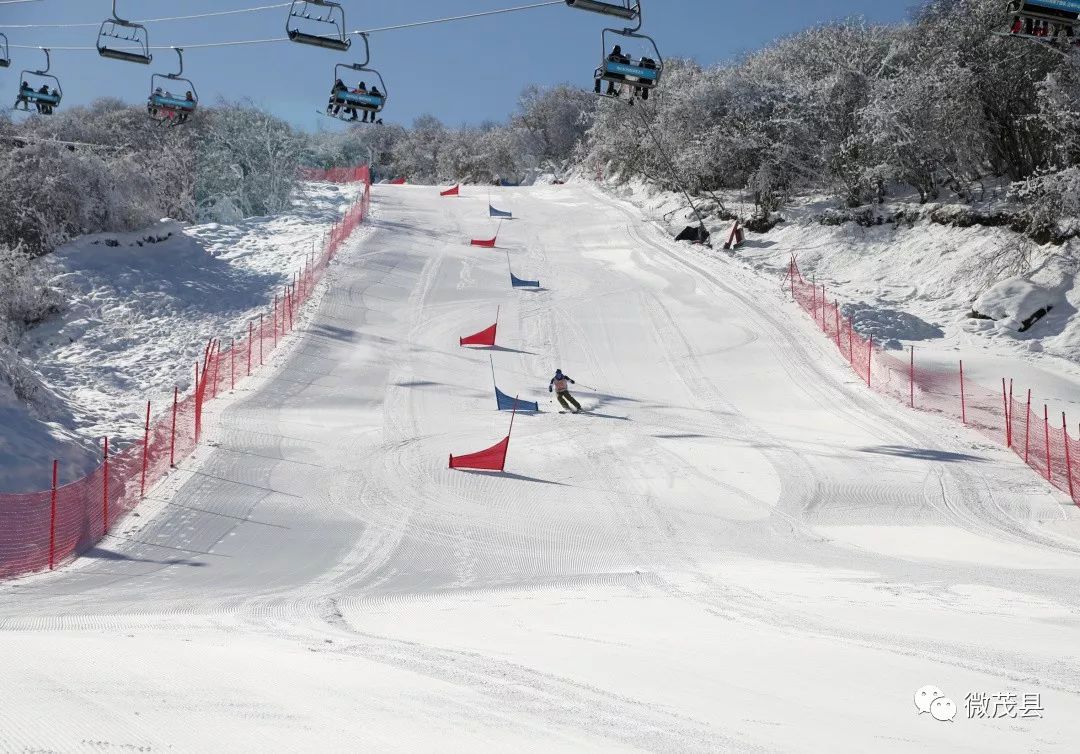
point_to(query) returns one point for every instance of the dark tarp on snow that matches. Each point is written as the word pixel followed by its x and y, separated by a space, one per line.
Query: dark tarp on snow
pixel 694 233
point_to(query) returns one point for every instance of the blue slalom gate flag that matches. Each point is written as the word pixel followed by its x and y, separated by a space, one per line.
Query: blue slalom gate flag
pixel 506 402
pixel 517 282
pixel 492 212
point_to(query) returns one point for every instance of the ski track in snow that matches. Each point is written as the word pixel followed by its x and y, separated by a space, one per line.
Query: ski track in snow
pixel 738 547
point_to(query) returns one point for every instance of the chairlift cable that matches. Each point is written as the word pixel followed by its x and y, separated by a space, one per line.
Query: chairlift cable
pixel 459 18
pixel 671 167
pixel 240 42
pixel 213 14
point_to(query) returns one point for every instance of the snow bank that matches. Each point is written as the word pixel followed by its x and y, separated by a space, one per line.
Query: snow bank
pixel 912 281
pixel 141 306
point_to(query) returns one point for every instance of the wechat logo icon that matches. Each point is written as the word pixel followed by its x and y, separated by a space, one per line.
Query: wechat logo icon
pixel 932 701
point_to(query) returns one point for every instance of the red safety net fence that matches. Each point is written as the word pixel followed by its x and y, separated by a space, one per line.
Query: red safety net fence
pixel 1001 414
pixel 356 174
pixel 40 530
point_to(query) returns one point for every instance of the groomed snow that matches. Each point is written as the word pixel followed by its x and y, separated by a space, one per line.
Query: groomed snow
pixel 738 548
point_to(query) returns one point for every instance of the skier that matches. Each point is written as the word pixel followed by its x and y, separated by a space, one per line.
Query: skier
pixel 562 392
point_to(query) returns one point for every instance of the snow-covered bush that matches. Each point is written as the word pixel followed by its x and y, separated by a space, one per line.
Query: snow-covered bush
pixel 26 295
pixel 246 163
pixel 936 105
pixel 1050 204
pixel 88 170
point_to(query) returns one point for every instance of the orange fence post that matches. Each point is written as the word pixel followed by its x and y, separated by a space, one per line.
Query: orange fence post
pixel 145 452
pixel 1046 422
pixel 850 344
pixel 869 359
pixel 963 398
pixel 1027 428
pixel 911 377
pixel 1068 456
pixel 172 434
pixel 105 490
pixel 199 390
pixel 1008 423
pixel 52 516
pixel 836 315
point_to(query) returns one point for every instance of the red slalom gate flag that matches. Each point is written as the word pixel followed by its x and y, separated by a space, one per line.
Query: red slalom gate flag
pixel 487 243
pixel 492 459
pixel 397 182
pixel 455 191
pixel 482 338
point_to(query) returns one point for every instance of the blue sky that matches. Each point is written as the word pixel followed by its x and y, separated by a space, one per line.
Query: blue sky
pixel 464 72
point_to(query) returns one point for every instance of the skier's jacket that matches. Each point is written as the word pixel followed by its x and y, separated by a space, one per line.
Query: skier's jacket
pixel 560 381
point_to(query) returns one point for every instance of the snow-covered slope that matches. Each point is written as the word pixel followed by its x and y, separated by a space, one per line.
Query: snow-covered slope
pixel 142 306
pixel 738 548
pixel 917 282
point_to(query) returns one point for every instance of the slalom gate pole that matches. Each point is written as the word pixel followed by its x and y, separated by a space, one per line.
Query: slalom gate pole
pixel 493 381
pixel 509 433
pixel 1046 421
pixel 963 398
pixel 145 452
pixel 1068 456
pixel 1027 428
pixel 172 434
pixel 52 516
pixel 250 328
pixel 105 489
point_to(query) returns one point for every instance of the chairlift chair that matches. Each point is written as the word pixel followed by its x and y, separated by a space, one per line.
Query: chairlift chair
pixel 643 73
pixel 5 56
pixel 166 107
pixel 132 39
pixel 343 100
pixel 45 101
pixel 628 9
pixel 302 24
pixel 1045 20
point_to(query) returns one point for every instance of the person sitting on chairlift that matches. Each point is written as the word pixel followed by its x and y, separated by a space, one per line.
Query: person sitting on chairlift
pixel 650 64
pixel 334 106
pixel 23 98
pixel 361 88
pixel 182 116
pixel 616 56
pixel 44 107
pixel 374 93
pixel 151 105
